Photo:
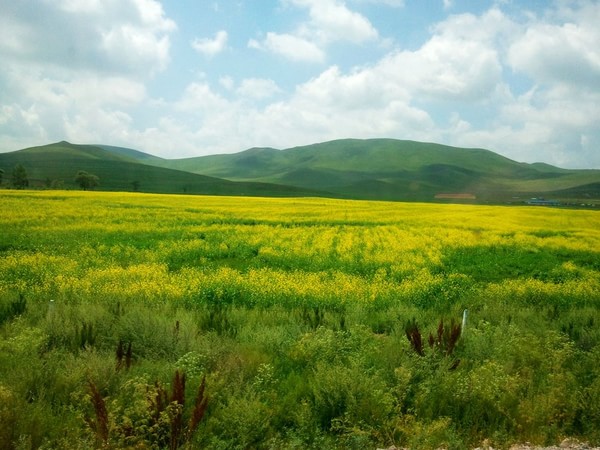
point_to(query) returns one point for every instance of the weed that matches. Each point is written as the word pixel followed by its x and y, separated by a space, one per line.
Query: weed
pixel 124 357
pixel 414 336
pixel 446 338
pixel 200 405
pixel 86 336
pixel 14 309
pixel 177 400
pixel 100 424
pixel 314 316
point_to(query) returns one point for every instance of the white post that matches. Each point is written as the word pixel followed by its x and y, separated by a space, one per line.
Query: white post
pixel 50 312
pixel 464 321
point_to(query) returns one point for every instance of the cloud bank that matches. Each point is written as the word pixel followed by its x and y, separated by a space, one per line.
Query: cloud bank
pixel 524 85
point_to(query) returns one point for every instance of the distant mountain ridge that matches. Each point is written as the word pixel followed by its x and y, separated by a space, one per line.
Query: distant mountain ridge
pixel 379 169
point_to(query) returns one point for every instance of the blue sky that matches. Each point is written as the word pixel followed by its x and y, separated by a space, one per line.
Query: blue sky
pixel 180 78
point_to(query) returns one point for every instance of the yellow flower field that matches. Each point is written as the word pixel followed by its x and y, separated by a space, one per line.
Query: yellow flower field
pixel 314 323
pixel 70 246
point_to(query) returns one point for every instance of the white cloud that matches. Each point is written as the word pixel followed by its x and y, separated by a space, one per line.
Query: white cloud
pixel 130 36
pixel 88 82
pixel 392 3
pixel 561 53
pixel 98 125
pixel 227 82
pixel 53 105
pixel 211 47
pixel 462 63
pixel 258 88
pixel 127 46
pixel 291 47
pixel 447 69
pixel 331 21
pixel 74 69
pixel 370 88
pixel 198 97
pixel 492 28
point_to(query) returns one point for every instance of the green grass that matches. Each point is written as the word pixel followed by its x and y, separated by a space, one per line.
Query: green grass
pixel 295 313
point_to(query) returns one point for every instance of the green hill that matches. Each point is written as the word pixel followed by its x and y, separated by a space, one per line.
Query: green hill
pixel 132 155
pixel 381 169
pixel 396 170
pixel 120 170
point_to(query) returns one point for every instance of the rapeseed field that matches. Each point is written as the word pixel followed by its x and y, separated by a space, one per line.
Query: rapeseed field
pixel 162 321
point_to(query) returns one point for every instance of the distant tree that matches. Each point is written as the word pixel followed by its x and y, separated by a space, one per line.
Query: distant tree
pixel 136 185
pixel 57 184
pixel 19 177
pixel 86 180
pixel 1 175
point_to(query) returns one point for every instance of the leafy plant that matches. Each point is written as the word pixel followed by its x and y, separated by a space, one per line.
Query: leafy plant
pixel 155 417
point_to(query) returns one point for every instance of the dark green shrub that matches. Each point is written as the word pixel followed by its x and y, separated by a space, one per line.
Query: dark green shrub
pixel 13 308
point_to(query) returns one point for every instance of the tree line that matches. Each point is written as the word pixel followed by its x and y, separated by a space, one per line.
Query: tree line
pixel 20 179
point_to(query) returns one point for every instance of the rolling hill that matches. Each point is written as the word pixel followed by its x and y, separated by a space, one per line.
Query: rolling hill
pixel 120 169
pixel 379 169
pixel 398 170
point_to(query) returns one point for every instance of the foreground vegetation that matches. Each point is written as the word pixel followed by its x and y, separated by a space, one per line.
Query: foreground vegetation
pixel 148 321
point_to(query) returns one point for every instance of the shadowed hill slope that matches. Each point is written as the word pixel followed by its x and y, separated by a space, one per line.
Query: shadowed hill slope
pixel 122 170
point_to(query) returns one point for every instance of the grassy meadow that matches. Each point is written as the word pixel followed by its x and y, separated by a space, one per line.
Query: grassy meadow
pixel 162 321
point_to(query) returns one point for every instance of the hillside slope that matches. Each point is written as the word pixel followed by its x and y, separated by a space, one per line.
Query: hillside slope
pixel 396 170
pixel 121 170
pixel 377 169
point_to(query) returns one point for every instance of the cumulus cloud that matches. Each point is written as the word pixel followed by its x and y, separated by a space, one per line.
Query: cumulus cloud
pixel 130 36
pixel 447 69
pixel 292 47
pixel 71 69
pixel 449 66
pixel 462 63
pixel 61 105
pixel 258 88
pixel 211 47
pixel 198 97
pixel 88 83
pixel 392 3
pixel 332 20
pixel 561 53
pixel 329 21
pixel 227 82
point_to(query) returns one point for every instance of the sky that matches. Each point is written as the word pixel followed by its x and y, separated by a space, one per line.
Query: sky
pixel 183 78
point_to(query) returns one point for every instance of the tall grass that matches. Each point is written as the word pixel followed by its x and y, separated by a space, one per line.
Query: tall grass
pixel 202 322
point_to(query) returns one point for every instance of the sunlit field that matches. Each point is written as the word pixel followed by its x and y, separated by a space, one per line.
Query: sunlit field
pixel 157 321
